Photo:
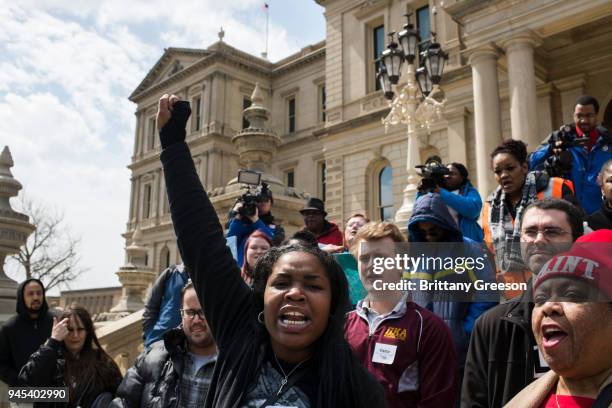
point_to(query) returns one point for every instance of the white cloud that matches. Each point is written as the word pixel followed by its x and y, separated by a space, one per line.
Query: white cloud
pixel 66 69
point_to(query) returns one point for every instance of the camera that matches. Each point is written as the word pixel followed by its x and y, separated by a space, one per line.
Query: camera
pixel 256 192
pixel 432 173
pixel 560 164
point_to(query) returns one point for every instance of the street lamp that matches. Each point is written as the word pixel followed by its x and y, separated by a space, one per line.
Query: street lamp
pixel 406 108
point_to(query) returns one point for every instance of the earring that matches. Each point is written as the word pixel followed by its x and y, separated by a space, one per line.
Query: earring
pixel 260 317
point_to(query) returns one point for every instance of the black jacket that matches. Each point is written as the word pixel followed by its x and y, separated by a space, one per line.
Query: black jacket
pixel 46 368
pixel 601 219
pixel 155 378
pixel 21 336
pixel 226 300
pixel 501 356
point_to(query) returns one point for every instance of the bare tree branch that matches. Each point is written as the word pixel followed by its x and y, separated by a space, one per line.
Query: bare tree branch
pixel 51 253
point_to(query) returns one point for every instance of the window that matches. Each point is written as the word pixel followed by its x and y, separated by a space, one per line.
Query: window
pixel 291 114
pixel 385 193
pixel 322 180
pixel 197 114
pixel 151 134
pixel 246 102
pixel 290 178
pixel 424 27
pixel 164 258
pixel 322 101
pixel 146 202
pixel 378 46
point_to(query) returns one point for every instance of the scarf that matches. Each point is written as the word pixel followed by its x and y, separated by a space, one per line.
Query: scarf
pixel 505 233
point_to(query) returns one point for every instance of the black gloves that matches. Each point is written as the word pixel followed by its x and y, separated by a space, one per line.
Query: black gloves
pixel 174 130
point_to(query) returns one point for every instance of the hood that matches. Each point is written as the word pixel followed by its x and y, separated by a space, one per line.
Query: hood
pixel 431 208
pixel 21 308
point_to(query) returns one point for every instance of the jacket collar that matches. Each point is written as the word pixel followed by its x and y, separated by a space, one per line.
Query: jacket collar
pixel 520 308
pixel 534 394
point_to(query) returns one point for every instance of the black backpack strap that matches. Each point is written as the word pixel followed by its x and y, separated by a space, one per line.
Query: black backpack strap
pixel 604 399
pixel 290 383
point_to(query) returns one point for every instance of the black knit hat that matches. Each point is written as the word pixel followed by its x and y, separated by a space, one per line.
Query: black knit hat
pixel 314 204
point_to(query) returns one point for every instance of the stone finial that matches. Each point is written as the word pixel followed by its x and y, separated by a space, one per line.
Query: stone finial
pixel 6 162
pixel 221 34
pixel 135 250
pixel 256 96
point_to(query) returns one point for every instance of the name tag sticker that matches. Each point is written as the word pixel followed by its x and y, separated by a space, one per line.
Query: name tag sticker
pixel 384 353
pixel 540 366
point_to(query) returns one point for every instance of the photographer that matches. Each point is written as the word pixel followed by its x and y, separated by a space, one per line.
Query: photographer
pixel 577 152
pixel 245 219
pixel 461 198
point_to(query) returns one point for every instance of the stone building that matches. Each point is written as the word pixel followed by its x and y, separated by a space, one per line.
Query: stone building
pixel 515 69
pixel 96 301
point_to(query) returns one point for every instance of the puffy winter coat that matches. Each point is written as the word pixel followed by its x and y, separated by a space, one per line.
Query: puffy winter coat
pixel 155 378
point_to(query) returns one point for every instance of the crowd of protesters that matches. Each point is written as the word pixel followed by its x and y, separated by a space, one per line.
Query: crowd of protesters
pixel 297 321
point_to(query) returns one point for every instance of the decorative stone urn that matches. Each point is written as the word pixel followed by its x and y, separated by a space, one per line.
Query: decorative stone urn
pixel 257 144
pixel 135 277
pixel 14 231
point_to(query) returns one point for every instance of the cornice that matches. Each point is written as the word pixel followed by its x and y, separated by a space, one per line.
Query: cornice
pixel 220 52
pixel 351 123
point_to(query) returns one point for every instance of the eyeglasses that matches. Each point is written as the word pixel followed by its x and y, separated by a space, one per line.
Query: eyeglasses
pixel 549 233
pixel 190 313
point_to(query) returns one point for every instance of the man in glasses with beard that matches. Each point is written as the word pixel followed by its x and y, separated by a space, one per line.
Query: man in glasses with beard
pixel 177 370
pixel 503 356
pixel 23 333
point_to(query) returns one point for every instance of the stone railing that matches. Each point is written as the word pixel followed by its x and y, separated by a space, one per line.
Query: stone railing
pixel 122 339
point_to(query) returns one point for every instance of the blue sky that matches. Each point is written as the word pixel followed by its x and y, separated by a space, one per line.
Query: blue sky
pixel 66 69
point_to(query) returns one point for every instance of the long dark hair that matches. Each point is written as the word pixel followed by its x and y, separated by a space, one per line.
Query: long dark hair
pixel 92 371
pixel 341 375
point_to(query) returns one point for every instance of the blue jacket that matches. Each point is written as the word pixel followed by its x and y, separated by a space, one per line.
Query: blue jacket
pixel 241 230
pixel 460 316
pixel 162 309
pixel 585 168
pixel 468 204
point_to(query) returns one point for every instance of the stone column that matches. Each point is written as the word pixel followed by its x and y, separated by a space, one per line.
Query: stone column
pixel 487 122
pixel 457 135
pixel 522 88
pixel 571 88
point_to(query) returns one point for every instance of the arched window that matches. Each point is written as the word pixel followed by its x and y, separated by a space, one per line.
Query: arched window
pixel 164 258
pixel 385 194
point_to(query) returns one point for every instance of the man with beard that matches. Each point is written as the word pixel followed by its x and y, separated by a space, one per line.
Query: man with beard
pixel 23 334
pixel 580 149
pixel 503 356
pixel 177 370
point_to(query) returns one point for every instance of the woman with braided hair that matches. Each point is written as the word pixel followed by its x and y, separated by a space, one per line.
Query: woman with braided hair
pixel 281 342
pixel 502 211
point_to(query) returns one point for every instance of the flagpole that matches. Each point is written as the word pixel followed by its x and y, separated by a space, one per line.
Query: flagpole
pixel 267 24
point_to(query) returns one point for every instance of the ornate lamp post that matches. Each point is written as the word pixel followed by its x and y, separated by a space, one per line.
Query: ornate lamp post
pixel 415 105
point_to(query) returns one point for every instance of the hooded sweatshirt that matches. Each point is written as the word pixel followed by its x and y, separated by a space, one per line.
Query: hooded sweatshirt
pixel 21 336
pixel 460 316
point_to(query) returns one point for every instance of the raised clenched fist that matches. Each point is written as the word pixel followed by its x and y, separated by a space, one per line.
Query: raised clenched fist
pixel 172 116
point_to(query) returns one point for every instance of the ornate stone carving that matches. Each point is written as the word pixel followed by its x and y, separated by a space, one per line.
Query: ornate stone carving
pixel 14 231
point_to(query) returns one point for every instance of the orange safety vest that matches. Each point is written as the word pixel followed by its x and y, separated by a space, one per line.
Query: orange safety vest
pixel 553 190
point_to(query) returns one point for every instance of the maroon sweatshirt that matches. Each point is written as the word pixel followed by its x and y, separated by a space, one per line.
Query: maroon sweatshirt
pixel 411 352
